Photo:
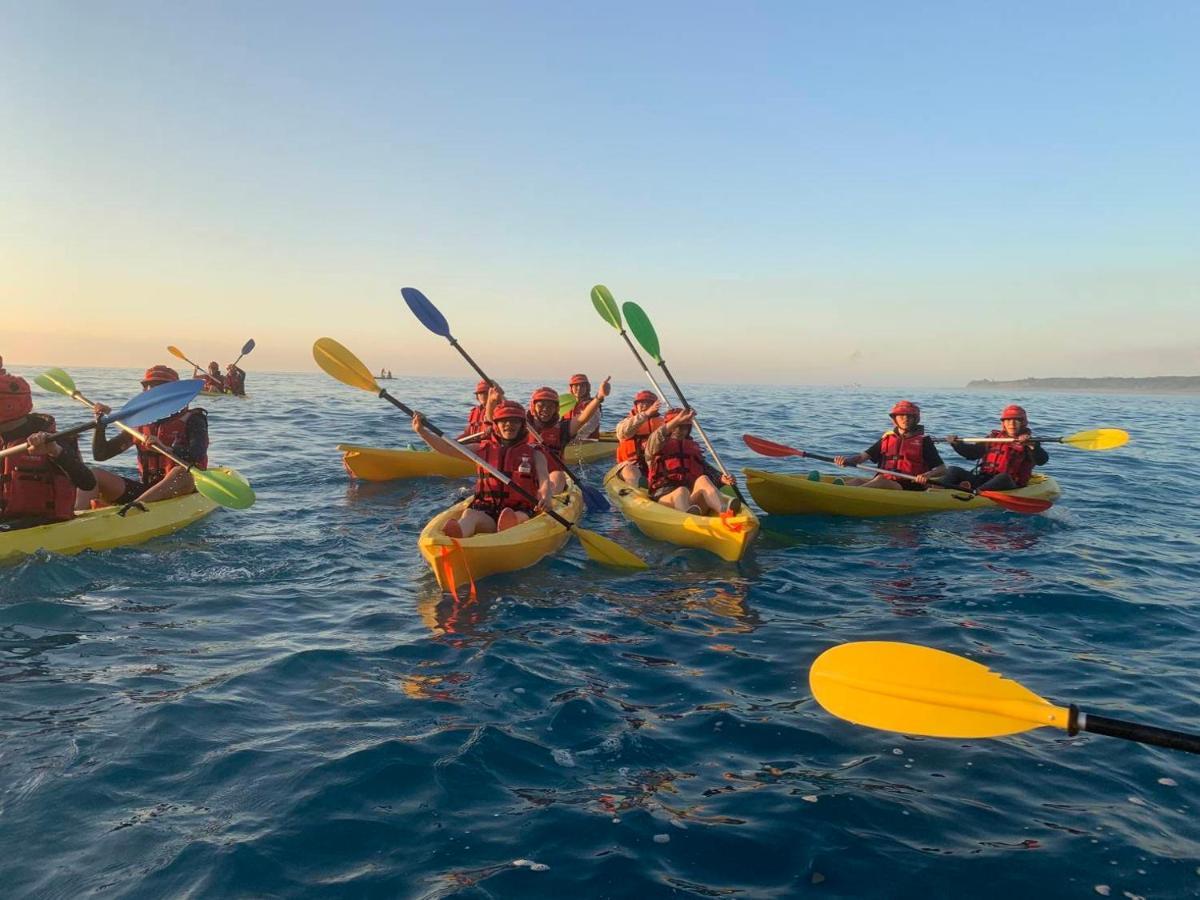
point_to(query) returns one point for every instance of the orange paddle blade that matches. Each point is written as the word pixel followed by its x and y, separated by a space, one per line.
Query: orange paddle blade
pixel 1028 505
pixel 769 448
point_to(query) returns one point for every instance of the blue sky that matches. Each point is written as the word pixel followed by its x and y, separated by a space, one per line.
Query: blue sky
pixel 805 193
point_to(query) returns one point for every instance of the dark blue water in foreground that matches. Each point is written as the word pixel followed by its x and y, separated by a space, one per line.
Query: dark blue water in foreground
pixel 280 702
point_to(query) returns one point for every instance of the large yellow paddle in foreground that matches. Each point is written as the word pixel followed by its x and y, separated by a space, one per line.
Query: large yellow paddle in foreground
pixel 347 368
pixel 918 690
pixel 219 487
pixel 1095 439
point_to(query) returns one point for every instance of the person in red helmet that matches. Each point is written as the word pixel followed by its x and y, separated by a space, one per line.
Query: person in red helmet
pixel 477 419
pixel 581 390
pixel 214 381
pixel 556 432
pixel 632 433
pixel 1002 466
pixel 677 472
pixel 185 434
pixel 235 380
pixel 904 448
pixel 506 446
pixel 42 484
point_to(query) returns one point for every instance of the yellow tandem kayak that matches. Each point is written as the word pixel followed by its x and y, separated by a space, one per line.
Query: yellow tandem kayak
pixel 376 464
pixel 464 560
pixel 779 493
pixel 100 529
pixel 727 537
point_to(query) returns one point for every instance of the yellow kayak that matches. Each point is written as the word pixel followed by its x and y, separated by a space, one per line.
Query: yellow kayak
pixel 727 537
pixel 374 464
pixel 783 494
pixel 100 529
pixel 463 560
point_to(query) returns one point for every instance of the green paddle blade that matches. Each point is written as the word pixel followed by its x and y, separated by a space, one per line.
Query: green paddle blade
pixel 56 381
pixel 224 488
pixel 566 403
pixel 602 299
pixel 640 325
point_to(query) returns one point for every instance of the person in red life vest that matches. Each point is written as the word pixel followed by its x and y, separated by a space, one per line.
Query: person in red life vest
pixel 235 380
pixel 1002 466
pixel 214 382
pixel 632 432
pixel 678 475
pixel 41 485
pixel 556 432
pixel 506 446
pixel 581 390
pixel 185 434
pixel 477 419
pixel 905 448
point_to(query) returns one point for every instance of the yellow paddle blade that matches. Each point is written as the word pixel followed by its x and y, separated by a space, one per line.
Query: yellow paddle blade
pixel 224 488
pixel 607 552
pixel 176 352
pixel 343 365
pixel 1098 439
pixel 918 690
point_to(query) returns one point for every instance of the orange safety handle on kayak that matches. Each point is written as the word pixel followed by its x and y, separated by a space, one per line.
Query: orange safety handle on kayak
pixel 448 569
pixel 735 527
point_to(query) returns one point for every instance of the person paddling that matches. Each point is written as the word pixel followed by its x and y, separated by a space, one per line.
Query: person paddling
pixel 632 433
pixel 581 390
pixel 905 448
pixel 1003 465
pixel 43 484
pixel 555 431
pixel 214 381
pixel 507 447
pixel 185 434
pixel 678 474
pixel 235 380
pixel 477 419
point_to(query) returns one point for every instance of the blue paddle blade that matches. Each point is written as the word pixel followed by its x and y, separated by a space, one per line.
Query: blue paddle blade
pixel 595 501
pixel 426 311
pixel 157 403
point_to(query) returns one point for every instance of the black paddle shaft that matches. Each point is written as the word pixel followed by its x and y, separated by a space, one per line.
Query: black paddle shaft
pixel 516 487
pixel 1132 731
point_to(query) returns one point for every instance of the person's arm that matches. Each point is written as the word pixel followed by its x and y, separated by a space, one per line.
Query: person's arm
pixel 196 437
pixel 592 408
pixel 629 425
pixel 1040 456
pixel 874 454
pixel 965 450
pixel 440 444
pixel 103 447
pixel 64 456
pixel 654 442
pixel 543 479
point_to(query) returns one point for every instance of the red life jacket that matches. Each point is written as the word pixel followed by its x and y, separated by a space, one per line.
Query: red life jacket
pixel 903 454
pixel 516 460
pixel 634 448
pixel 31 485
pixel 678 464
pixel 172 434
pixel 1011 459
pixel 476 420
pixel 213 384
pixel 555 437
pixel 235 381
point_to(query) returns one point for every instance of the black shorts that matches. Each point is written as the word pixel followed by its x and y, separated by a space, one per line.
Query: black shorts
pixel 493 509
pixel 133 490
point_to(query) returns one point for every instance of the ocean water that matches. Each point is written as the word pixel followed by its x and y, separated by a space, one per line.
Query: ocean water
pixel 280 702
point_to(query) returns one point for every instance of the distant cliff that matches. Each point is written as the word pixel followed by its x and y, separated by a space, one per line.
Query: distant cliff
pixel 1165 384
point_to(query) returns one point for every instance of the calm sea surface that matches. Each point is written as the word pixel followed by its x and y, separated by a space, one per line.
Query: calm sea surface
pixel 280 702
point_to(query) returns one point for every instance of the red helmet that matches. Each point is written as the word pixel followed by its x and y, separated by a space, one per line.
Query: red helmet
pixel 645 397
pixel 508 409
pixel 578 379
pixel 905 408
pixel 543 393
pixel 159 374
pixel 15 399
pixel 1012 411
pixel 482 387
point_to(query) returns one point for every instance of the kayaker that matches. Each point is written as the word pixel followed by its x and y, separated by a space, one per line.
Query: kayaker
pixel 477 418
pixel 631 434
pixel 1003 466
pixel 678 475
pixel 506 446
pixel 43 484
pixel 555 431
pixel 185 434
pixel 905 448
pixel 214 382
pixel 235 380
pixel 581 390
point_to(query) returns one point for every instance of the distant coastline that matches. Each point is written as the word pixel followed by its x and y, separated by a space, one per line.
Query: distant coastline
pixel 1164 384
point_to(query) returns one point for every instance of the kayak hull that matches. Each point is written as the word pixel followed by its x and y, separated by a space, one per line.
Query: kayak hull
pixel 463 560
pixel 101 529
pixel 727 537
pixel 377 464
pixel 785 494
